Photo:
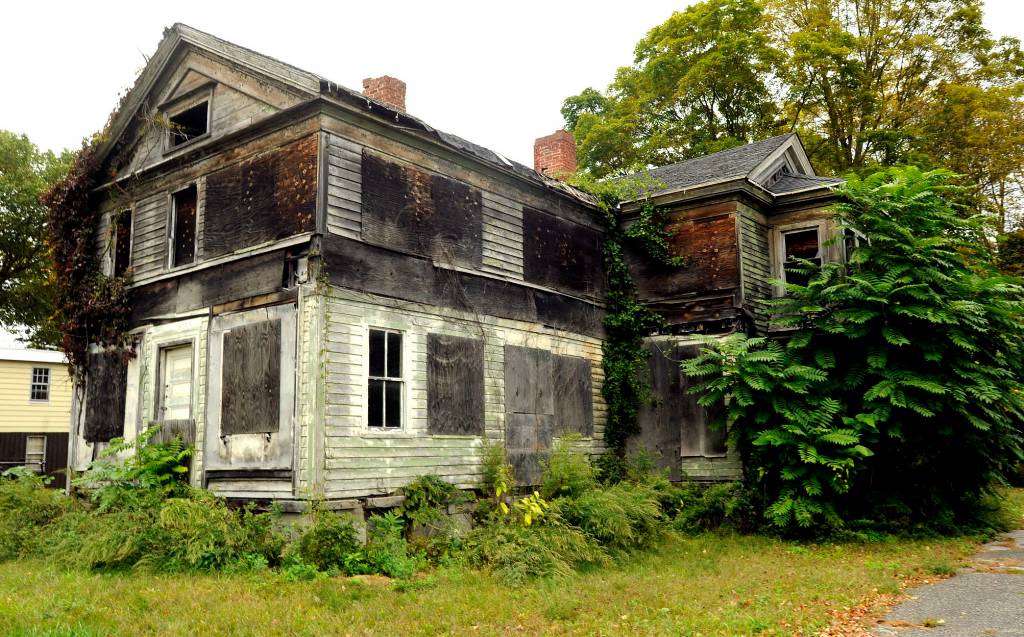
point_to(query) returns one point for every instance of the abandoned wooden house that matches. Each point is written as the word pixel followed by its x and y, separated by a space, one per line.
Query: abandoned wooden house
pixel 331 297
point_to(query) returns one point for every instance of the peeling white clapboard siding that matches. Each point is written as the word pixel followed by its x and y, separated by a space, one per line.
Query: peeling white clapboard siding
pixel 360 461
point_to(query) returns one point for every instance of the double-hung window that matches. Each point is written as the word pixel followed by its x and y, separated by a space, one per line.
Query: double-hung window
pixel 384 383
pixel 40 388
pixel 181 239
pixel 793 246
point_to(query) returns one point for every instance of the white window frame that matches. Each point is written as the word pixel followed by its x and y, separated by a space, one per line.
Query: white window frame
pixel 35 465
pixel 161 349
pixel 401 380
pixel 172 226
pixel 33 384
pixel 778 246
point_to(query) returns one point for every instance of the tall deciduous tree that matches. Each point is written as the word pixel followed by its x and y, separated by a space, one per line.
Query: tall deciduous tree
pixel 867 83
pixel 26 293
pixel 700 82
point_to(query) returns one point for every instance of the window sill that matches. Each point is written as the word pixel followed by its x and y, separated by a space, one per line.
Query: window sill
pixel 171 150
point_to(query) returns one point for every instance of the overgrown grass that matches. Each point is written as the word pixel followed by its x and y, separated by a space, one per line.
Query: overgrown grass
pixel 706 584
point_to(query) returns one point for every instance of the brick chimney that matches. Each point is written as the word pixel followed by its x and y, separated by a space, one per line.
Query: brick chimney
pixel 555 155
pixel 387 89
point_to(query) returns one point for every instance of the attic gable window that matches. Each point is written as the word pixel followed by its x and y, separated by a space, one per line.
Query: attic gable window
pixel 189 125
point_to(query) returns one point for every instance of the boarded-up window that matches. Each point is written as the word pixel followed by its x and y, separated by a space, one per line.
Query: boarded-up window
pixel 123 243
pixel 270 197
pixel 673 425
pixel 105 395
pixel 574 399
pixel 251 380
pixel 183 227
pixel 455 385
pixel 529 410
pixel 561 254
pixel 409 210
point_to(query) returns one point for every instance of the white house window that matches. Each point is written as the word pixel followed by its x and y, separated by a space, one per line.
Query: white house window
pixel 35 453
pixel 384 384
pixel 40 389
pixel 189 124
pixel 802 244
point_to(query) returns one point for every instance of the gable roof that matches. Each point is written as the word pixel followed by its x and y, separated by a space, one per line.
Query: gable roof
pixel 305 84
pixel 757 162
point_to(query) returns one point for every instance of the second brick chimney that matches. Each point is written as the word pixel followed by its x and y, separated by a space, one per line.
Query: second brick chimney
pixel 555 154
pixel 387 89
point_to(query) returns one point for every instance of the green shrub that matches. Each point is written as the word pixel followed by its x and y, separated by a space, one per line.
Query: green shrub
pixel 567 473
pixel 517 553
pixel 26 506
pixel 426 501
pixel 729 506
pixel 329 541
pixel 899 386
pixel 387 551
pixel 622 516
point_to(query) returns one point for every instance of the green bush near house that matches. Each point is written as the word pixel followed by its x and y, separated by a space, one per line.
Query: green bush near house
pixel 895 398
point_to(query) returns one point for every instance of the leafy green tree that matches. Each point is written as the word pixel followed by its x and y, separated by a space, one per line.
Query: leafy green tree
pixel 867 83
pixel 26 292
pixel 1011 253
pixel 700 83
pixel 898 393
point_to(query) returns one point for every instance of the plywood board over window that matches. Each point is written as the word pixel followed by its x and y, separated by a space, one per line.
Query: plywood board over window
pixel 412 211
pixel 105 395
pixel 250 414
pixel 455 385
pixel 546 395
pixel 251 399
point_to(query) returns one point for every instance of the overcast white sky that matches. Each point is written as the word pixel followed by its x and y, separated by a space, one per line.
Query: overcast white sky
pixel 494 73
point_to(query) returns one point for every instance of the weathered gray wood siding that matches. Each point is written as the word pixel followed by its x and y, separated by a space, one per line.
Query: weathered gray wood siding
pixel 239 98
pixel 503 236
pixel 360 461
pixel 344 187
pixel 755 264
pixel 501 242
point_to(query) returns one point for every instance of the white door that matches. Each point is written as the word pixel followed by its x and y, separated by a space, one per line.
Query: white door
pixel 176 376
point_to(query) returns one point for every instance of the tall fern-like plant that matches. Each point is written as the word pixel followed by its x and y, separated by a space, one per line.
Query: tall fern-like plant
pixel 895 393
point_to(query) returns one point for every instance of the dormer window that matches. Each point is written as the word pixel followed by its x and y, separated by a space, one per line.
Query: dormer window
pixel 189 124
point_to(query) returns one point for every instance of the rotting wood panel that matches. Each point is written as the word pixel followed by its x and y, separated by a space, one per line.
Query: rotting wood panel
pixel 251 368
pixel 707 287
pixel 528 387
pixel 560 254
pixel 410 210
pixel 180 428
pixel 573 396
pixel 266 198
pixel 243 278
pixel 105 395
pixel 529 410
pixel 359 266
pixel 455 385
pixel 672 425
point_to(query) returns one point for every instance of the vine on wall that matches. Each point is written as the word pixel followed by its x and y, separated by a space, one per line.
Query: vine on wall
pixel 628 321
pixel 91 307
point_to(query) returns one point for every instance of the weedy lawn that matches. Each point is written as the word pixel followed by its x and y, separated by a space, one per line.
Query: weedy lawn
pixel 690 585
